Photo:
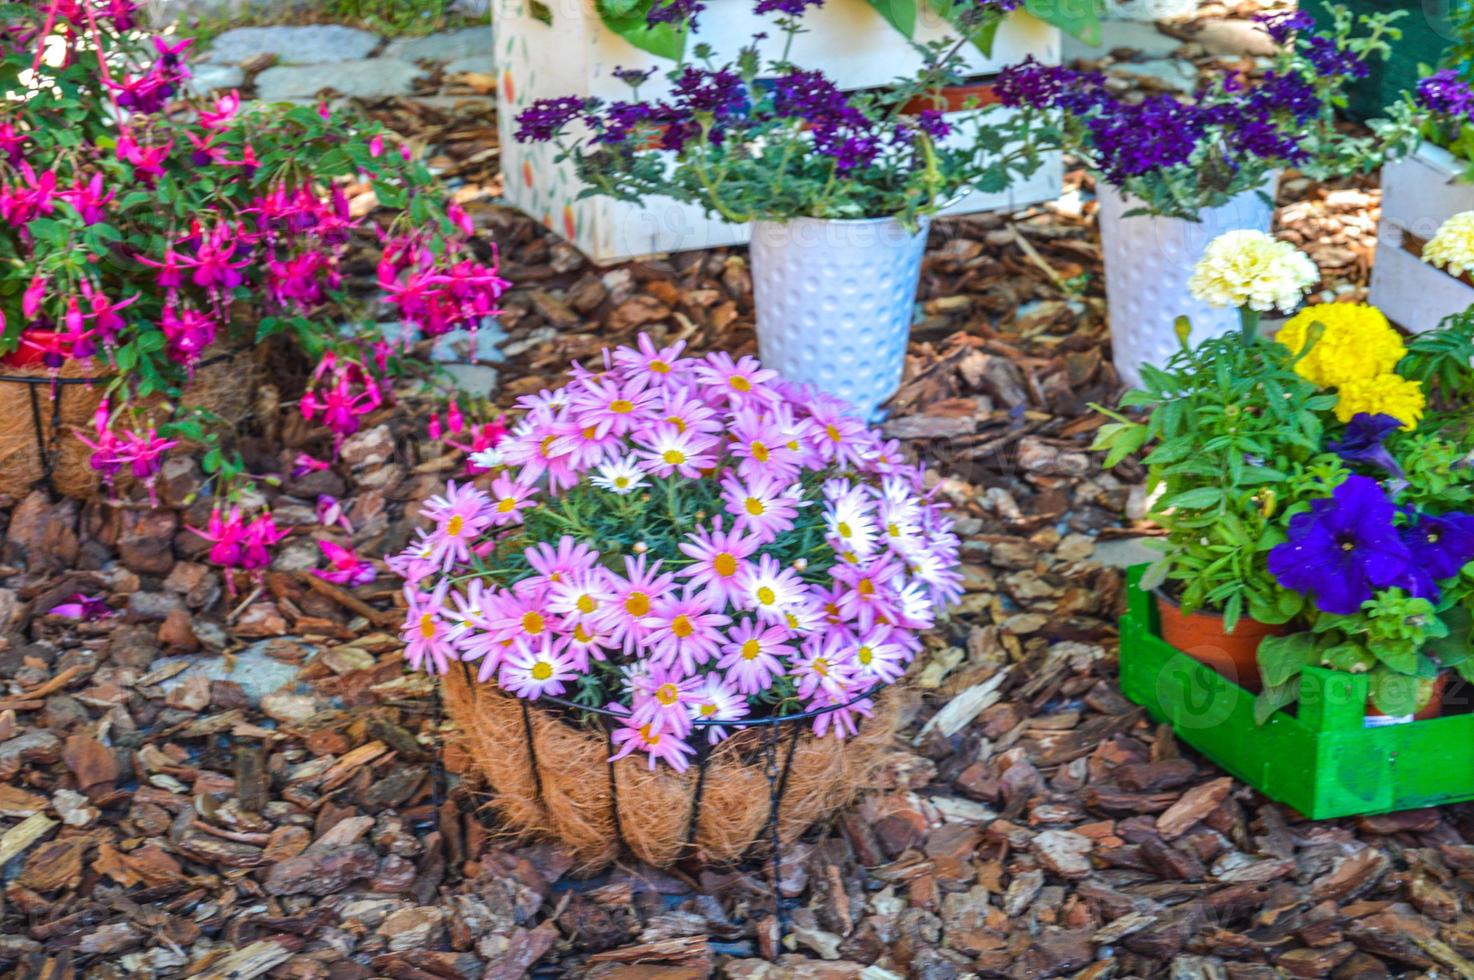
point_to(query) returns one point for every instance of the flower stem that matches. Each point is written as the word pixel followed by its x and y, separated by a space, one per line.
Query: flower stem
pixel 1249 324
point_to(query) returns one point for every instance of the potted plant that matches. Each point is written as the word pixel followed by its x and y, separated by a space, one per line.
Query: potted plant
pixel 839 188
pixel 1173 174
pixel 1426 188
pixel 153 241
pixel 681 577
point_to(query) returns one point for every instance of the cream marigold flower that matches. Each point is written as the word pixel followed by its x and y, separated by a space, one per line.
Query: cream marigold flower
pixel 1357 343
pixel 1386 394
pixel 1251 269
pixel 1452 247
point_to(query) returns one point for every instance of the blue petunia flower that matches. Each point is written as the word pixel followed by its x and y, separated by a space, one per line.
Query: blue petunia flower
pixel 1440 546
pixel 1362 442
pixel 1344 548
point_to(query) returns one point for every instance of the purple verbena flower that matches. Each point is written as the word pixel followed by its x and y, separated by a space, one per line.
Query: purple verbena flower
pixel 789 8
pixel 1286 23
pixel 545 118
pixel 1344 548
pixel 1445 92
pixel 1156 133
pixel 675 12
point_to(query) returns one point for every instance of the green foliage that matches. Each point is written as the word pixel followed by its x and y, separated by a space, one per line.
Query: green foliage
pixel 1234 441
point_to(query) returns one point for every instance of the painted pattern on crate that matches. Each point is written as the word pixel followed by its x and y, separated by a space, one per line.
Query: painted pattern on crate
pixel 1322 761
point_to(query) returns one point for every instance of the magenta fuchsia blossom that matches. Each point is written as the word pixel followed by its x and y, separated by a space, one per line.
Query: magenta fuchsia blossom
pixel 688 540
pixel 344 566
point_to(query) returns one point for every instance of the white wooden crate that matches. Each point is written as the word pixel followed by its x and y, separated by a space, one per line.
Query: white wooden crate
pixel 576 55
pixel 1418 194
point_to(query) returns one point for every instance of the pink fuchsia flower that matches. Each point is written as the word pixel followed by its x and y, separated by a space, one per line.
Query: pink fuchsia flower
pixel 460 515
pixel 188 333
pixel 657 746
pixel 720 558
pixel 11 139
pixel 683 630
pixel 260 535
pixel 88 200
pixel 752 656
pixel 83 607
pixel 306 463
pixel 104 313
pixel 762 506
pixel 427 630
pixel 740 382
pixel 717 702
pixel 509 499
pixel 226 108
pixel 30 301
pixel 662 697
pixel 344 566
pixel 329 511
pixel 652 366
pixel 668 450
pixel 768 589
pixel 530 672
pixel 147 162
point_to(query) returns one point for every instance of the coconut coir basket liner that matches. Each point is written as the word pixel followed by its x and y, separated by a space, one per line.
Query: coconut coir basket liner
pixel 223 384
pixel 566 794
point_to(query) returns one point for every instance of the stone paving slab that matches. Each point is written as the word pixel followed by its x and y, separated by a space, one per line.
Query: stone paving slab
pixel 370 78
pixel 447 46
pixel 1115 34
pixel 311 44
pixel 215 78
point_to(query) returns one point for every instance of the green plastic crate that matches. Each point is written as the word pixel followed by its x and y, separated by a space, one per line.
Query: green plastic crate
pixel 1323 762
pixel 1426 32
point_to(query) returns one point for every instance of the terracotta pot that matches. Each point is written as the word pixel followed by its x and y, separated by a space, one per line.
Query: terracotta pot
pixel 26 355
pixel 1201 636
pixel 955 98
pixel 1432 708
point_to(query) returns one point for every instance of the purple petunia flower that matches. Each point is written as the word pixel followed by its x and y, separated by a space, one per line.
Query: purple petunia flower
pixel 1444 92
pixel 1344 548
pixel 1362 442
pixel 1440 546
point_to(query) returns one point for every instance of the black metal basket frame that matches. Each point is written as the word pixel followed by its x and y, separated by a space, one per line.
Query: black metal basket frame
pixel 776 775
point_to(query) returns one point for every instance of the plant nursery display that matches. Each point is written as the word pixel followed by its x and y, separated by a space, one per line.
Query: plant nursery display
pixel 1173 174
pixel 684 551
pixel 839 186
pixel 156 243
pixel 1316 489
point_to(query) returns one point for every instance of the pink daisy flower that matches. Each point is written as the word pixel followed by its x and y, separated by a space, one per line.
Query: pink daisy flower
pixel 414 562
pixel 881 655
pixel 664 700
pixel 531 672
pixel 657 745
pixel 870 592
pixel 460 515
pixel 571 557
pixel 522 616
pixel 688 413
pixel 837 436
pixel 684 630
pixel 762 506
pixel 719 558
pixel 762 448
pixel 824 666
pixel 583 446
pixel 654 366
pixel 634 596
pixel 740 382
pixel 583 596
pixel 752 656
pixel 509 499
pixel 842 722
pixel 668 450
pixel 717 702
pixel 610 407
pixel 850 523
pixel 427 631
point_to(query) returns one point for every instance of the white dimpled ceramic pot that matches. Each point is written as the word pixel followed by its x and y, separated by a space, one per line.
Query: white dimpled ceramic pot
pixel 1148 262
pixel 835 301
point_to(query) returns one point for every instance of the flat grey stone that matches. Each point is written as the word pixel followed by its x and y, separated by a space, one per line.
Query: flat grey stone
pixel 461 346
pixel 1124 552
pixel 446 46
pixel 216 78
pixel 1235 38
pixel 356 79
pixel 313 44
pixel 256 673
pixel 1180 75
pixel 1115 34
pixel 481 64
pixel 474 379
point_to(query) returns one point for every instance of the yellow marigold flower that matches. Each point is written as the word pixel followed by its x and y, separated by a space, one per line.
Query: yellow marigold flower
pixel 1386 394
pixel 1452 247
pixel 1357 343
pixel 1249 268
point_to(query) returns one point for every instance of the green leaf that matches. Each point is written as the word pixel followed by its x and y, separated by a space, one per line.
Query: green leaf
pixel 661 40
pixel 1283 657
pixel 1272 699
pixel 1195 499
pixel 1393 693
pixel 900 14
pixel 1078 18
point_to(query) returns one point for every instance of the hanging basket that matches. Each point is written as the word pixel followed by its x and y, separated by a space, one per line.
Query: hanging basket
pixel 770 779
pixel 41 411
